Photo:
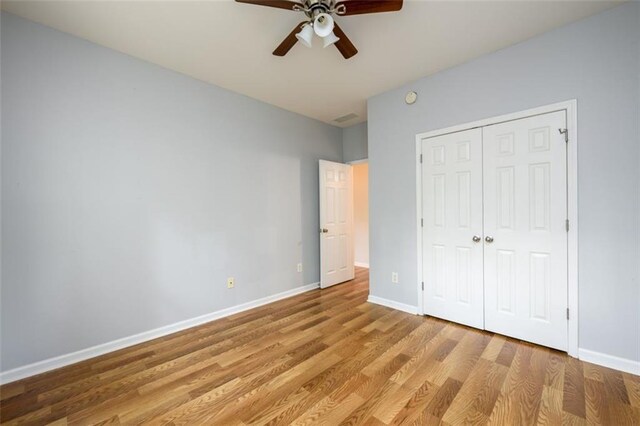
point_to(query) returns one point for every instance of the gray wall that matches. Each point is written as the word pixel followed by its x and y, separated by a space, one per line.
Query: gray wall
pixel 130 193
pixel 354 142
pixel 595 61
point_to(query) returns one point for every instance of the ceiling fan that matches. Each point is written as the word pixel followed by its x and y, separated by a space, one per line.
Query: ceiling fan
pixel 319 20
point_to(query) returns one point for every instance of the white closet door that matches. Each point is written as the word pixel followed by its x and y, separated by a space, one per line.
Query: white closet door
pixel 452 212
pixel 525 212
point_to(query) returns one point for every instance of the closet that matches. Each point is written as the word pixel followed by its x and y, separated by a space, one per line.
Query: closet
pixel 494 229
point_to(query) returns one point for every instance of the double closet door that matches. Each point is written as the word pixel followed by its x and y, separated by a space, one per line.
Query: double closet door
pixel 494 231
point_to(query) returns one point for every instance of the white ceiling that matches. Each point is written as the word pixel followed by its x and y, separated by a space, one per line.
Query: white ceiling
pixel 229 44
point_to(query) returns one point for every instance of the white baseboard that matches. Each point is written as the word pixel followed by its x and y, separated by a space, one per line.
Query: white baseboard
pixel 393 304
pixel 361 264
pixel 622 364
pixel 84 354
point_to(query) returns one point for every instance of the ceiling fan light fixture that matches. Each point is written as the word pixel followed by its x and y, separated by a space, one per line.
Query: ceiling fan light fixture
pixel 305 36
pixel 323 24
pixel 330 39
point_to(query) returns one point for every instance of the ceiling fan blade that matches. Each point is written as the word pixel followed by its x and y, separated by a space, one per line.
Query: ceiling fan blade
pixel 289 41
pixel 358 7
pixel 280 4
pixel 344 45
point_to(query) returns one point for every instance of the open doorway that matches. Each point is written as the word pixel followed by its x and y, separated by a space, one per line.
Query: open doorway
pixel 361 213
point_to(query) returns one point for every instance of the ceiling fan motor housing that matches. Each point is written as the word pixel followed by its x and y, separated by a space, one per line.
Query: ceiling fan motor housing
pixel 317 5
pixel 313 8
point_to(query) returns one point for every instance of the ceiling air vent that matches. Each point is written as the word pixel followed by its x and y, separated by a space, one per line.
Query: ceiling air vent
pixel 347 117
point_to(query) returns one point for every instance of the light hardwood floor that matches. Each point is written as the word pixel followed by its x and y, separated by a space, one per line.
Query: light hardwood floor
pixel 328 357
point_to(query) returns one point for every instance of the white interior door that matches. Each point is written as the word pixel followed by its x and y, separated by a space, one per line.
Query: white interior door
pixel 336 223
pixel 525 212
pixel 452 228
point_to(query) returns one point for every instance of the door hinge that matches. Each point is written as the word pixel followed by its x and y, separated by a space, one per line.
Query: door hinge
pixel 567 313
pixel 422 223
pixel 420 158
pixel 566 225
pixel 422 285
pixel 565 132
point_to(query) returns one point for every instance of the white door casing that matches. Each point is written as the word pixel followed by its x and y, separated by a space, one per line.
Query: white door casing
pixel 336 223
pixel 452 212
pixel 525 213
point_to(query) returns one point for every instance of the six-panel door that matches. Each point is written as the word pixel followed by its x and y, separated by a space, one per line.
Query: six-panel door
pixel 525 212
pixel 336 223
pixel 452 200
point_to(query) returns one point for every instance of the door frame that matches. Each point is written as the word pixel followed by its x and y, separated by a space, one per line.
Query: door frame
pixel 571 109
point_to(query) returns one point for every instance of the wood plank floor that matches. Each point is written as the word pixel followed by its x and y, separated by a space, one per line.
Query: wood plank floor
pixel 328 357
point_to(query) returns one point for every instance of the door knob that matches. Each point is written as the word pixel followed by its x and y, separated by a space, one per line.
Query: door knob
pixel 476 239
pixel 324 230
pixel 488 239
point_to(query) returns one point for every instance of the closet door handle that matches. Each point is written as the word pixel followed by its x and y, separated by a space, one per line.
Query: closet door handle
pixel 476 239
pixel 488 239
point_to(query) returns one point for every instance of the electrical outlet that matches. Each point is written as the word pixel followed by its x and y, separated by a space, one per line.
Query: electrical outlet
pixel 231 282
pixel 394 277
pixel 299 267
